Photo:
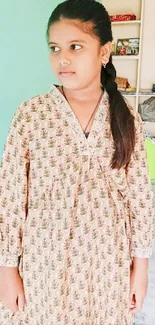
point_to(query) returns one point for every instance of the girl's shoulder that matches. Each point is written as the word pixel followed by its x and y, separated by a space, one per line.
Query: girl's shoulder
pixel 36 103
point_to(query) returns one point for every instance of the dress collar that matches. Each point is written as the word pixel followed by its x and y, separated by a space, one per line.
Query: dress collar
pixel 86 144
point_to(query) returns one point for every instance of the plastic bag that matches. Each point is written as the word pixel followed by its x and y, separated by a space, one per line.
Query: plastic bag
pixel 147 110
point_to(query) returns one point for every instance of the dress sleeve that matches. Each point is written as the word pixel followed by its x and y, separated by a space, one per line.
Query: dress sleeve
pixel 13 191
pixel 140 194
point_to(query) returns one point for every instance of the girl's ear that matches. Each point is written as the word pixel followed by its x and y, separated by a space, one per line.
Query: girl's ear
pixel 106 52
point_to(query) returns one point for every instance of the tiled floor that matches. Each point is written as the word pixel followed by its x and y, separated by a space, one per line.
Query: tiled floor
pixel 147 314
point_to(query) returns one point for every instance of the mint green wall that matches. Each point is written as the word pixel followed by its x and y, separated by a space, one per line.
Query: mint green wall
pixel 24 57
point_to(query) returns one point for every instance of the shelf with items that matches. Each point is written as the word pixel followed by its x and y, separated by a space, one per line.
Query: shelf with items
pixel 140 94
pixel 127 37
pixel 123 8
pixel 146 93
pixel 129 67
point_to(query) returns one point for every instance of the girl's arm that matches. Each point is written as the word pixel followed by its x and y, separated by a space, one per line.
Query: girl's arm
pixel 141 219
pixel 13 190
pixel 141 263
pixel 140 199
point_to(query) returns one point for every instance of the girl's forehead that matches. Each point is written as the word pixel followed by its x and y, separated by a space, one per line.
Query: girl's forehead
pixel 73 29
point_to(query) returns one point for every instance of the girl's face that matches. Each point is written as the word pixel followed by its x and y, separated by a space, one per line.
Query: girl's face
pixel 76 57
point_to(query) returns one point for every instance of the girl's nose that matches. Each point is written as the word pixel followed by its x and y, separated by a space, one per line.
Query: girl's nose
pixel 64 62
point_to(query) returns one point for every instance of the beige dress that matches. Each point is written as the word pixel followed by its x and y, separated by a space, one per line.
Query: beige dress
pixel 69 221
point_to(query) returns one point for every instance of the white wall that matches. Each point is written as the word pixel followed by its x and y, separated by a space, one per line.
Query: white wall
pixel 148 51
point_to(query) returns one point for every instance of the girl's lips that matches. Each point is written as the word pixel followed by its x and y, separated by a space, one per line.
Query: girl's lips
pixel 66 73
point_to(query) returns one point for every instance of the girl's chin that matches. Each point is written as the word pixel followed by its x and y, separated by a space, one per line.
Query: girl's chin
pixel 67 81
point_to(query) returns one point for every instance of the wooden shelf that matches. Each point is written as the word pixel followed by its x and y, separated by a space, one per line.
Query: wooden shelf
pixel 149 123
pixel 125 57
pixel 126 22
pixel 137 94
pixel 128 94
pixel 146 95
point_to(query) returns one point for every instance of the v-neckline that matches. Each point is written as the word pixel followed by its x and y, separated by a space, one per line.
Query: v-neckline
pixel 99 117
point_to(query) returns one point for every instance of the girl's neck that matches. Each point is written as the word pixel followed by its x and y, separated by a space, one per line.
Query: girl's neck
pixel 82 95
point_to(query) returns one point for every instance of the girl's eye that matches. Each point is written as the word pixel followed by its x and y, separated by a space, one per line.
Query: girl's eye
pixel 53 48
pixel 74 45
pixel 57 49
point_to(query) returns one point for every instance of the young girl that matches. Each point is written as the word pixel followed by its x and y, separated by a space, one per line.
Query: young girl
pixel 76 200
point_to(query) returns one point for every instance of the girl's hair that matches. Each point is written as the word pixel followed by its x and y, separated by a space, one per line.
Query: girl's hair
pixel 94 19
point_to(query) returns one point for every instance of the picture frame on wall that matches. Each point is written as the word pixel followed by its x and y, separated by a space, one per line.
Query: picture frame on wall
pixel 127 46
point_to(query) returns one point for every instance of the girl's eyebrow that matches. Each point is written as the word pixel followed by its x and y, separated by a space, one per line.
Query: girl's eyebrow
pixel 73 41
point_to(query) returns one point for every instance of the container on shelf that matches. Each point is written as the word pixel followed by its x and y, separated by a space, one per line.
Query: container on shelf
pixel 122 17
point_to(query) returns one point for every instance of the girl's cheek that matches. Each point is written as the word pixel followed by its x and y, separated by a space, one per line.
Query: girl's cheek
pixel 53 61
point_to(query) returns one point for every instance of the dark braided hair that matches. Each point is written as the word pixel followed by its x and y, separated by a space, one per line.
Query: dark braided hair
pixel 121 119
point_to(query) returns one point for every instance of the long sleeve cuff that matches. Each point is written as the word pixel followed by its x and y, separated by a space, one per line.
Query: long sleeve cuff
pixel 9 261
pixel 142 252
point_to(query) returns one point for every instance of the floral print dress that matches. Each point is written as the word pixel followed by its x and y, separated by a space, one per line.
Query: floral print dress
pixel 70 223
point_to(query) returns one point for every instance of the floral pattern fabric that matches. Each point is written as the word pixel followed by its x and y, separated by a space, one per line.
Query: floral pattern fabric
pixel 70 223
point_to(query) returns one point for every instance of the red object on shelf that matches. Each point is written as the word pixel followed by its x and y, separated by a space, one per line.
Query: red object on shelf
pixel 125 17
